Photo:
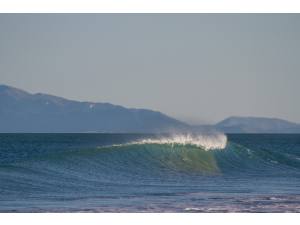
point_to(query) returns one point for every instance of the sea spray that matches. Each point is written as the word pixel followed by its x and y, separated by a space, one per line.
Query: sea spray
pixel 203 141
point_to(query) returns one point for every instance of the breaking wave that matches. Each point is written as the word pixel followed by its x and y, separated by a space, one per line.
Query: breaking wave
pixel 153 156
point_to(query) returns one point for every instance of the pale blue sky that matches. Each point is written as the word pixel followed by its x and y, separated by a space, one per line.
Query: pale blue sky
pixel 199 68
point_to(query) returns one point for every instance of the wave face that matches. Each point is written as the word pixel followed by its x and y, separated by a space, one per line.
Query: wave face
pixel 156 173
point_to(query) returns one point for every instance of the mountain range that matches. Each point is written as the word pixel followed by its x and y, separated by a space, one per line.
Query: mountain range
pixel 21 111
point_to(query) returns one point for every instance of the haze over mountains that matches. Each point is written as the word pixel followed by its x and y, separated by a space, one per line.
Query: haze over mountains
pixel 21 111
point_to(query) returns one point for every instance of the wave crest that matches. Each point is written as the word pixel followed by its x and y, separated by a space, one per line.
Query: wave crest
pixel 206 142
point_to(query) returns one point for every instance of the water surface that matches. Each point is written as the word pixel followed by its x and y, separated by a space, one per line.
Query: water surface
pixel 149 173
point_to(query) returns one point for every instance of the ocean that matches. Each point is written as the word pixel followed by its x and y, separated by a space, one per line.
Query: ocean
pixel 149 173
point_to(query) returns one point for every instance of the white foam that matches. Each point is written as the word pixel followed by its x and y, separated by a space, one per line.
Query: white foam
pixel 207 142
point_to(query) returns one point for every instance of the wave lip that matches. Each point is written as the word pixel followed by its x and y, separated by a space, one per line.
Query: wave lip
pixel 206 142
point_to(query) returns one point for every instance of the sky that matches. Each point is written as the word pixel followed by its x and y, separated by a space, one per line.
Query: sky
pixel 198 68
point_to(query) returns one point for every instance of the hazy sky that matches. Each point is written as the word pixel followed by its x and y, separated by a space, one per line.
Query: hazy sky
pixel 199 68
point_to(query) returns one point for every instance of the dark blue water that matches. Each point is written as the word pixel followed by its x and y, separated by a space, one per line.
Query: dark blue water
pixel 112 173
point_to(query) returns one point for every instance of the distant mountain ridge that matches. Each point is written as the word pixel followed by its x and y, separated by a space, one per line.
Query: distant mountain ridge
pixel 237 124
pixel 21 111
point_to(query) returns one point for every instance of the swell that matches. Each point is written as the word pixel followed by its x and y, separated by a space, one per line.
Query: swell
pixel 131 168
pixel 156 157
